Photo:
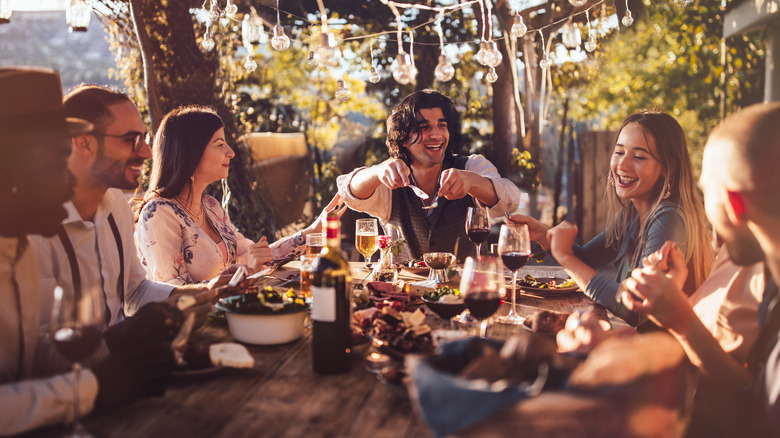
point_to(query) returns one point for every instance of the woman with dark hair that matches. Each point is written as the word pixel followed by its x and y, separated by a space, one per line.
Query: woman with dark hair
pixel 651 198
pixel 423 138
pixel 184 235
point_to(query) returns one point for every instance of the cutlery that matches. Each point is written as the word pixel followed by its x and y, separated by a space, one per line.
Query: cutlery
pixel 180 340
pixel 238 276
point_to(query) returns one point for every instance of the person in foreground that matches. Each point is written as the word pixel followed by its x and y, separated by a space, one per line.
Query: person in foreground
pixel 651 199
pixel 739 181
pixel 99 225
pixel 34 183
pixel 423 137
pixel 184 235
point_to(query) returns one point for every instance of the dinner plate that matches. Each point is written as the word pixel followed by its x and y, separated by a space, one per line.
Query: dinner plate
pixel 549 291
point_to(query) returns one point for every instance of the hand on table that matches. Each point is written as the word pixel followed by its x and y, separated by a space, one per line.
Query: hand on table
pixel 536 230
pixel 659 297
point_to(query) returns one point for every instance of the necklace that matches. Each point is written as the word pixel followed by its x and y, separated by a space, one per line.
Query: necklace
pixel 197 217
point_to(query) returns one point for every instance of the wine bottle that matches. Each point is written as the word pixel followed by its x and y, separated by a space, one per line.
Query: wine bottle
pixel 330 310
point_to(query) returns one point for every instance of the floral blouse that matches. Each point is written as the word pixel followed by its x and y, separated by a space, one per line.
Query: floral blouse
pixel 174 249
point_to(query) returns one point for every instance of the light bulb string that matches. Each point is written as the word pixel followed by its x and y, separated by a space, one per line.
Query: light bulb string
pixel 411 49
pixel 323 15
pixel 371 52
pixel 490 20
pixel 278 19
pixel 440 31
pixel 484 24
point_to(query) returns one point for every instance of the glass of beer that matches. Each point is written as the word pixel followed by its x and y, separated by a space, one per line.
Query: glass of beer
pixel 307 267
pixel 366 232
pixel 314 243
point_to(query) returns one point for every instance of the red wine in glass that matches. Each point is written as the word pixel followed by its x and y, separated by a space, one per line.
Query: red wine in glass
pixel 482 305
pixel 514 260
pixel 77 343
pixel 478 236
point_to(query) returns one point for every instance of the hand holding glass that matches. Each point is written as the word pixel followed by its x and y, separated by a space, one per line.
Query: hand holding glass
pixel 477 226
pixel 366 232
pixel 76 326
pixel 514 245
pixel 482 288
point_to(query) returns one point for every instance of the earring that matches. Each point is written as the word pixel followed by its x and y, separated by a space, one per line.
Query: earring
pixel 667 194
pixel 611 180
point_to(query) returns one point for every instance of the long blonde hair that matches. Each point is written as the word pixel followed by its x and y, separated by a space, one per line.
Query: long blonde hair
pixel 676 183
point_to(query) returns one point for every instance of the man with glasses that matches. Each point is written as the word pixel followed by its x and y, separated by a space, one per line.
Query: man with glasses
pixel 94 244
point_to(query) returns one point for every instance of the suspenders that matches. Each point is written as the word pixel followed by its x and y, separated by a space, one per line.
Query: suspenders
pixel 74 265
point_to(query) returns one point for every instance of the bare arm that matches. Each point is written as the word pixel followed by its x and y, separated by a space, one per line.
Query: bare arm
pixel 393 173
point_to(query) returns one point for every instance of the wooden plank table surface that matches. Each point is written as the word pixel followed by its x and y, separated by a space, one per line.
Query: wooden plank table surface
pixel 281 396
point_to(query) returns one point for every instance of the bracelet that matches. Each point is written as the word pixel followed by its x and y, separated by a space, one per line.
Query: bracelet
pixel 298 238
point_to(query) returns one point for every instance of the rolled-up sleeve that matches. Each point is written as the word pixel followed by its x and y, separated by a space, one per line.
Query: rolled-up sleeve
pixel 377 205
pixel 507 192
pixel 30 404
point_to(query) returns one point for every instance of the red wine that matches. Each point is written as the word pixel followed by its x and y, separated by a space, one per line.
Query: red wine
pixel 331 339
pixel 482 304
pixel 77 344
pixel 478 235
pixel 514 260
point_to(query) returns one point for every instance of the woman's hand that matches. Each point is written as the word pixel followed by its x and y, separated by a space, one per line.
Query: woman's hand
pixel 659 297
pixel 536 230
pixel 336 205
pixel 582 332
pixel 259 255
pixel 561 238
pixel 670 260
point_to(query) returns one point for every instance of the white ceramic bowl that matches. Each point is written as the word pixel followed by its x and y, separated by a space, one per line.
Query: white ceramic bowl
pixel 266 329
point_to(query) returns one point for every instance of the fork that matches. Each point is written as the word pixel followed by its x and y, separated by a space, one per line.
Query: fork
pixel 422 195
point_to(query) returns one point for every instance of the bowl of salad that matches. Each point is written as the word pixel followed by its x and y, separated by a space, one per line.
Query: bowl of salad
pixel 445 302
pixel 268 316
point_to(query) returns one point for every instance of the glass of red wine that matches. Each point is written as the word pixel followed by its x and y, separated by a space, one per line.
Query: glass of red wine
pixel 514 246
pixel 477 226
pixel 76 326
pixel 482 288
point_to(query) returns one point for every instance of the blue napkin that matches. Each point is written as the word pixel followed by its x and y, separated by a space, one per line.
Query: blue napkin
pixel 449 403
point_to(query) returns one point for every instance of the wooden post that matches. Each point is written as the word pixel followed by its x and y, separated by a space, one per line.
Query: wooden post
pixel 596 152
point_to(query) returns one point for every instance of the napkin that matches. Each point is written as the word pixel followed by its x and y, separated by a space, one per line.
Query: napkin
pixel 449 403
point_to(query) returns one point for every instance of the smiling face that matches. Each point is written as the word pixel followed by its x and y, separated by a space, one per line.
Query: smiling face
pixel 214 164
pixel 634 167
pixel 429 147
pixel 116 164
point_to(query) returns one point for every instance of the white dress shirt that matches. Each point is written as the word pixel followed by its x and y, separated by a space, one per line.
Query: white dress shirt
pixel 98 259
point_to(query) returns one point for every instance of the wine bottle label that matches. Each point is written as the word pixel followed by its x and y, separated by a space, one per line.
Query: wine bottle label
pixel 323 304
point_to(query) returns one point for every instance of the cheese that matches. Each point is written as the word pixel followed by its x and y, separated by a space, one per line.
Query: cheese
pixel 230 354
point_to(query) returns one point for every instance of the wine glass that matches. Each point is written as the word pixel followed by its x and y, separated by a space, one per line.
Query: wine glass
pixel 76 327
pixel 482 288
pixel 477 226
pixel 366 232
pixel 514 245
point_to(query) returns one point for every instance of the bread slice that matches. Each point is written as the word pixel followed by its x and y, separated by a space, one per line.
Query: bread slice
pixel 230 354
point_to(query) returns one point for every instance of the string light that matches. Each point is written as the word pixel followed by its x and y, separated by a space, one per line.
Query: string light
pixel 250 65
pixel 444 71
pixel 342 92
pixel 5 11
pixel 231 9
pixel 328 52
pixel 570 34
pixel 402 72
pixel 252 31
pixel 578 3
pixel 682 3
pixel 311 63
pixel 280 41
pixel 545 62
pixel 590 43
pixel 373 75
pixel 77 15
pixel 627 19
pixel 214 12
pixel 491 76
pixel 519 29
pixel 493 57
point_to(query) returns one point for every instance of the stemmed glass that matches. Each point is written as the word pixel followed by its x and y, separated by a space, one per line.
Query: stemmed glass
pixel 76 326
pixel 514 245
pixel 482 288
pixel 477 226
pixel 366 232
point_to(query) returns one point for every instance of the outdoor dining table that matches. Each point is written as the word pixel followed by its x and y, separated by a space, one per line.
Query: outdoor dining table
pixel 282 397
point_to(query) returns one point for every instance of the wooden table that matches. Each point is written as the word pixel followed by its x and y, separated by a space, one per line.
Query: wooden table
pixel 281 396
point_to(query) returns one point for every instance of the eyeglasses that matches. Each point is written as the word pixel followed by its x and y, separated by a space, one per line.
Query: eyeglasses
pixel 133 138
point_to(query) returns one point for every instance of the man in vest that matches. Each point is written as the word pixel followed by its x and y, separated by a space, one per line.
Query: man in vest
pixel 423 136
pixel 94 246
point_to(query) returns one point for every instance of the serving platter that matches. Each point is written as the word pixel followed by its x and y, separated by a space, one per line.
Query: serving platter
pixel 547 292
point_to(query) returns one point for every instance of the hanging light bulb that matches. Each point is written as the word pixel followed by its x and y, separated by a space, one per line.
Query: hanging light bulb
pixel 208 42
pixel 78 15
pixel 682 3
pixel 280 41
pixel 231 9
pixel 403 70
pixel 214 12
pixel 627 19
pixel 250 65
pixel 252 29
pixel 570 34
pixel 491 76
pixel 328 53
pixel 342 92
pixel 481 53
pixel 374 76
pixel 578 3
pixel 590 43
pixel 545 62
pixel 493 56
pixel 444 70
pixel 5 11
pixel 311 63
pixel 519 29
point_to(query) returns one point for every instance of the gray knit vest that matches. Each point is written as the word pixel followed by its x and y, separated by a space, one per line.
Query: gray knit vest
pixel 438 233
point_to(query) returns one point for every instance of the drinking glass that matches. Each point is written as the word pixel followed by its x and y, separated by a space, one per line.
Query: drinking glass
pixel 366 232
pixel 482 288
pixel 314 242
pixel 477 226
pixel 514 245
pixel 76 327
pixel 307 267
